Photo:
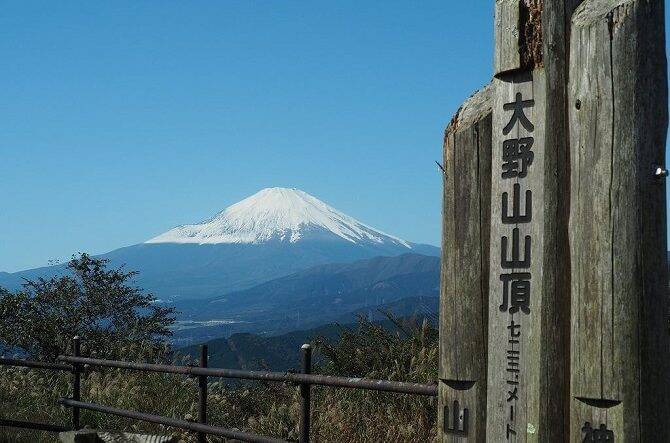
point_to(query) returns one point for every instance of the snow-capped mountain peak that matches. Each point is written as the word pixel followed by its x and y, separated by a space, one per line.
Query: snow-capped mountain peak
pixel 277 214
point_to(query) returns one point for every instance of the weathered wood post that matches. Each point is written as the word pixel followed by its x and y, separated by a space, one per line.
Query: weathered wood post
pixel 618 120
pixel 464 272
pixel 529 274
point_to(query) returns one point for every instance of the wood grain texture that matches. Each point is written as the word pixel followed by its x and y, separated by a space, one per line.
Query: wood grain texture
pixel 468 397
pixel 464 272
pixel 507 54
pixel 519 33
pixel 620 346
pixel 543 410
pixel 556 16
pixel 535 351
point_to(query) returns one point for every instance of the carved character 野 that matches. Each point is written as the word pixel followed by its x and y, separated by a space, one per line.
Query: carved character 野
pixel 517 157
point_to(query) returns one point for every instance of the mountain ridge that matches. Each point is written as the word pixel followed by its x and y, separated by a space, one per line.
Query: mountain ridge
pixel 315 296
pixel 282 352
pixel 199 270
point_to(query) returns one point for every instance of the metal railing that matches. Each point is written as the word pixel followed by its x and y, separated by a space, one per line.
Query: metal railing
pixel 76 364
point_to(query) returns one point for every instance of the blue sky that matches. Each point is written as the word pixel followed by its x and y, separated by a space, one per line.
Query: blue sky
pixel 123 119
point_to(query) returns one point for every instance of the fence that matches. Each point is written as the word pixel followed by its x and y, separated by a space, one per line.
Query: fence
pixel 76 364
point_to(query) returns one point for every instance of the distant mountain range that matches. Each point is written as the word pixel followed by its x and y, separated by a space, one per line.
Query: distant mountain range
pixel 253 351
pixel 405 285
pixel 278 261
pixel 279 352
pixel 273 233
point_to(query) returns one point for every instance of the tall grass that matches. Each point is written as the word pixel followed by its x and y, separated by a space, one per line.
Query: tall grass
pixel 408 352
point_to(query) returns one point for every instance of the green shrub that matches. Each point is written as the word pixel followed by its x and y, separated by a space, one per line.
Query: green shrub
pixel 91 301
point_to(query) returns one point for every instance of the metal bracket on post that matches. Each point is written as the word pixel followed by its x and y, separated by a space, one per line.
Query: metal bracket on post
pixel 660 172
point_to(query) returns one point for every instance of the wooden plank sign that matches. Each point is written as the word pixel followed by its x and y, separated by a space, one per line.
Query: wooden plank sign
pixel 529 277
pixel 464 272
pixel 516 297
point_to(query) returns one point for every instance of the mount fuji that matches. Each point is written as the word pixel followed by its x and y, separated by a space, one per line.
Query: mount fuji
pixel 273 233
pixel 280 215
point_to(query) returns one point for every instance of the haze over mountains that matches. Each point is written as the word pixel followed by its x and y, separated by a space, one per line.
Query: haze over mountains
pixel 404 285
pixel 273 233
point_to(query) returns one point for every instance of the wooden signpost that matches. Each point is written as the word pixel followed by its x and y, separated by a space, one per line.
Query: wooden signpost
pixel 620 368
pixel 465 255
pixel 571 291
pixel 529 285
pixel 517 296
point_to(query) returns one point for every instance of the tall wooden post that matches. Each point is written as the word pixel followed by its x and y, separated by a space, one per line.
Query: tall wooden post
pixel 464 272
pixel 618 120
pixel 529 275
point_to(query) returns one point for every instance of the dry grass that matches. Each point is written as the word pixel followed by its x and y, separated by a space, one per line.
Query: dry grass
pixel 268 409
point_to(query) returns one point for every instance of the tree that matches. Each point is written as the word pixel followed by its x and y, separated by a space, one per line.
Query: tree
pixel 396 349
pixel 113 317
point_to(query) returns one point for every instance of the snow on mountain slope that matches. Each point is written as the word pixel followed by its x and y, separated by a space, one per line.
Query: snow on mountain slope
pixel 280 214
pixel 271 234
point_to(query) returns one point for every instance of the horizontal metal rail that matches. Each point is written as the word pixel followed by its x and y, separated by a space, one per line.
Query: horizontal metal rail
pixel 183 424
pixel 312 379
pixel 76 364
pixel 32 425
pixel 34 364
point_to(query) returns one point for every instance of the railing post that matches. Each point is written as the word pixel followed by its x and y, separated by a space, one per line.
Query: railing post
pixel 76 381
pixel 202 394
pixel 305 394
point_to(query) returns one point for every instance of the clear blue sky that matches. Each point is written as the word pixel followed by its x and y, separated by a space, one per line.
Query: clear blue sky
pixel 123 119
